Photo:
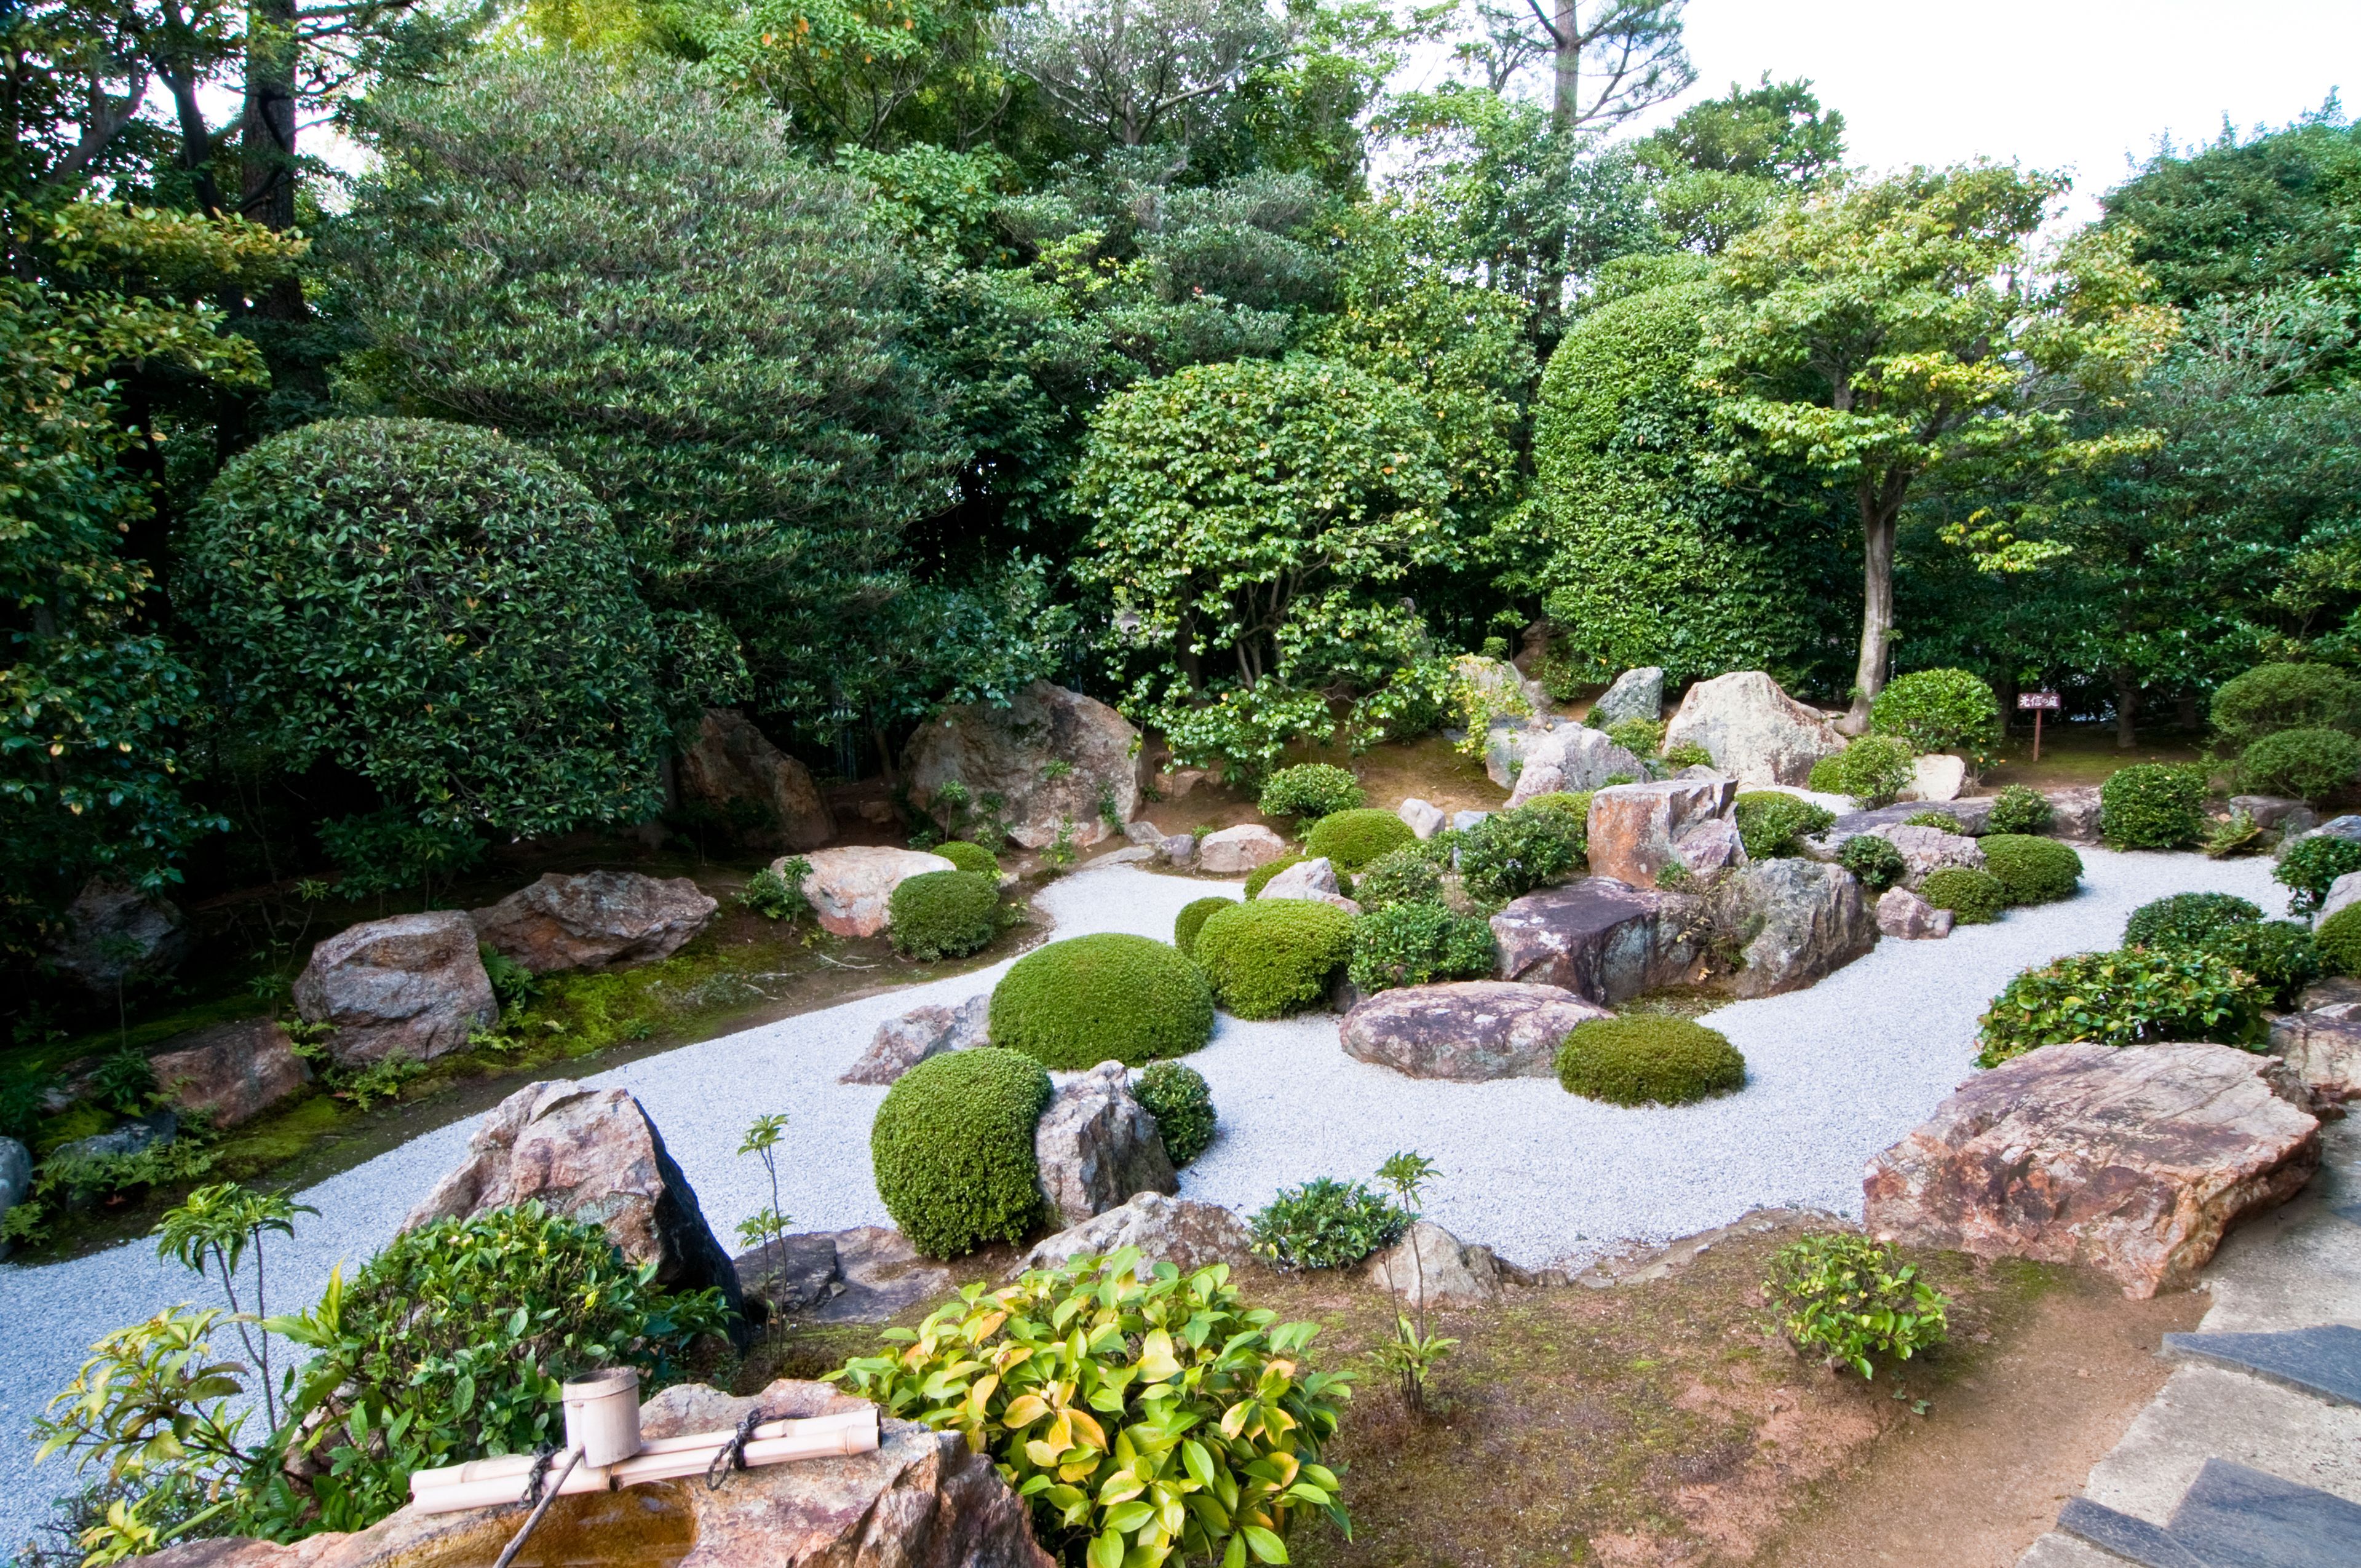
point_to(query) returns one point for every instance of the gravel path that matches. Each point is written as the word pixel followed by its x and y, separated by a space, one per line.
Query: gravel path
pixel 1836 1073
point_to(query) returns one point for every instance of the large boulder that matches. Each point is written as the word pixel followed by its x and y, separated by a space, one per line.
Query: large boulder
pixel 2343 894
pixel 903 1042
pixel 1431 1267
pixel 2276 811
pixel 1753 729
pixel 115 934
pixel 230 1073
pixel 1636 694
pixel 2322 1052
pixel 2075 812
pixel 2132 1160
pixel 851 888
pixel 1233 852
pixel 411 985
pixel 1097 1147
pixel 1571 758
pixel 592 1154
pixel 1794 921
pixel 1937 776
pixel 1470 1030
pixel 1313 880
pixel 595 920
pixel 1189 1235
pixel 1052 755
pixel 1926 851
pixel 1635 828
pixel 733 771
pixel 1902 913
pixel 1601 938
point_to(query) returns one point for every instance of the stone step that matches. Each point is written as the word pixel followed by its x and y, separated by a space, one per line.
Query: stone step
pixel 2231 1518
pixel 2324 1361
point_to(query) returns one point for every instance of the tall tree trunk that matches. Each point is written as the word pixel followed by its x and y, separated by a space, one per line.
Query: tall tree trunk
pixel 1877 527
pixel 2127 699
pixel 1566 62
pixel 267 130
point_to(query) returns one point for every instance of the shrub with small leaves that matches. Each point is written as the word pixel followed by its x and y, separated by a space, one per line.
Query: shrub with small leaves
pixel 1419 944
pixel 2122 998
pixel 1325 1224
pixel 1771 824
pixel 2282 956
pixel 1872 770
pixel 943 915
pixel 1309 792
pixel 1643 1060
pixel 2338 941
pixel 1274 957
pixel 1973 897
pixel 1639 735
pixel 1259 878
pixel 2187 920
pixel 2270 698
pixel 1191 920
pixel 2309 867
pixel 1939 710
pixel 1688 754
pixel 1509 853
pixel 2032 869
pixel 2020 808
pixel 1933 817
pixel 1875 862
pixel 2153 806
pixel 1106 996
pixel 2312 764
pixel 1176 1095
pixel 1412 874
pixel 1846 1297
pixel 952 1149
pixel 1351 840
pixel 968 856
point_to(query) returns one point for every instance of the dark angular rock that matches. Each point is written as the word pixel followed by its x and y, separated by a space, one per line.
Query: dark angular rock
pixel 1097 1146
pixel 733 770
pixel 115 934
pixel 1601 938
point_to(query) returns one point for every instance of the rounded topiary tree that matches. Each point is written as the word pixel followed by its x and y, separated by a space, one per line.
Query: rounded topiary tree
pixel 1649 1061
pixel 1939 710
pixel 1184 1108
pixel 438 609
pixel 2187 920
pixel 2153 806
pixel 2031 870
pixel 1872 770
pixel 1108 997
pixel 943 915
pixel 1275 955
pixel 2310 765
pixel 1191 920
pixel 2272 697
pixel 1973 897
pixel 1351 840
pixel 2338 941
pixel 952 1149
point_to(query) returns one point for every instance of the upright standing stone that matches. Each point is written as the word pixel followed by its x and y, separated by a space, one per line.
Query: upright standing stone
pixel 1636 694
pixel 1794 922
pixel 1097 1147
pixel 1634 829
pixel 1753 729
pixel 732 769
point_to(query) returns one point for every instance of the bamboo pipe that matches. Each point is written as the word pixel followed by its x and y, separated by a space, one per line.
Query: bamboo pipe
pixel 488 1482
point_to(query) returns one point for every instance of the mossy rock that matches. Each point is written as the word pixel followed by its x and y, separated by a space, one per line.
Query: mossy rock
pixel 1274 957
pixel 1191 920
pixel 952 1150
pixel 1351 840
pixel 1649 1061
pixel 1108 997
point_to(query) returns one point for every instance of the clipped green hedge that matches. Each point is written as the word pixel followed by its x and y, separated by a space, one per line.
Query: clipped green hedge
pixel 1973 897
pixel 1419 944
pixel 1412 874
pixel 952 1149
pixel 2339 941
pixel 2020 808
pixel 1191 920
pixel 943 915
pixel 2282 955
pixel 1177 1098
pixel 1939 710
pixel 2310 764
pixel 1509 853
pixel 2270 698
pixel 1274 957
pixel 1310 791
pixel 1649 1061
pixel 1872 770
pixel 1259 878
pixel 1351 840
pixel 1108 997
pixel 2122 998
pixel 2187 920
pixel 2153 806
pixel 2032 869
pixel 1874 862
pixel 964 856
pixel 1770 823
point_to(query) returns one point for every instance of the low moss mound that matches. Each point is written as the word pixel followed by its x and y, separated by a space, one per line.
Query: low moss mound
pixel 943 915
pixel 1108 997
pixel 1274 957
pixel 1191 920
pixel 2338 941
pixel 1649 1061
pixel 966 857
pixel 1973 897
pixel 2032 869
pixel 1351 840
pixel 952 1149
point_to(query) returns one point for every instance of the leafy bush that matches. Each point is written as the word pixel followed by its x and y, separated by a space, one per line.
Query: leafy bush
pixel 1191 920
pixel 2187 920
pixel 2153 806
pixel 1351 840
pixel 778 893
pixel 2309 867
pixel 1688 754
pixel 1846 1299
pixel 2031 870
pixel 1419 944
pixel 1640 736
pixel 2338 941
pixel 943 915
pixel 1107 997
pixel 1146 1417
pixel 1939 710
pixel 1509 853
pixel 1310 791
pixel 2282 955
pixel 1872 770
pixel 968 856
pixel 1325 1224
pixel 2270 698
pixel 1649 1061
pixel 1271 957
pixel 1973 897
pixel 1259 878
pixel 1574 806
pixel 953 1148
pixel 2310 764
pixel 1935 818
pixel 2020 808
pixel 1182 1105
pixel 1874 862
pixel 512 984
pixel 1412 874
pixel 2121 998
pixel 1770 823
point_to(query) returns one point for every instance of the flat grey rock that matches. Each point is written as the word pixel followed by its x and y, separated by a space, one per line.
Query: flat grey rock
pixel 2325 1361
pixel 2231 1518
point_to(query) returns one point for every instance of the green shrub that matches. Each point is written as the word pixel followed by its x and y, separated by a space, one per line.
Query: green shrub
pixel 1310 791
pixel 2338 941
pixel 1351 840
pixel 1872 770
pixel 1649 1061
pixel 1259 878
pixel 776 892
pixel 2309 867
pixel 1509 853
pixel 1107 997
pixel 1770 824
pixel 1939 710
pixel 2270 698
pixel 2032 869
pixel 952 1147
pixel 1412 874
pixel 1574 806
pixel 2310 764
pixel 1640 736
pixel 1874 862
pixel 2236 834
pixel 1973 897
pixel 2122 998
pixel 943 915
pixel 1846 1297
pixel 1688 754
pixel 2020 808
pixel 2153 806
pixel 2282 956
pixel 1191 920
pixel 512 984
pixel 1419 944
pixel 1268 959
pixel 967 857
pixel 1182 1105
pixel 1935 818
pixel 2187 920
pixel 1325 1224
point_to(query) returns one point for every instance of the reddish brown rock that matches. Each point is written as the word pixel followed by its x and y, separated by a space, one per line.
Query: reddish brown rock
pixel 411 985
pixel 595 920
pixel 2131 1161
pixel 850 889
pixel 230 1073
pixel 1601 938
pixel 1470 1030
pixel 732 769
pixel 1635 829
pixel 2322 1052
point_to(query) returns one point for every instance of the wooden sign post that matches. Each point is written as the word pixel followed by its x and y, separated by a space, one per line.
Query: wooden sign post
pixel 2038 703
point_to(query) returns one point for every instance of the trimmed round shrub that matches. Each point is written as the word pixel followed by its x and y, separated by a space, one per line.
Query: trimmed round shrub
pixel 1509 853
pixel 2031 870
pixel 2020 808
pixel 953 1148
pixel 2120 999
pixel 1325 1224
pixel 2311 763
pixel 968 856
pixel 1649 1061
pixel 1351 840
pixel 2153 806
pixel 1191 920
pixel 1310 791
pixel 2187 920
pixel 1875 862
pixel 2338 941
pixel 1938 710
pixel 943 915
pixel 2309 867
pixel 1259 878
pixel 1108 997
pixel 2282 955
pixel 1412 874
pixel 1770 823
pixel 1419 944
pixel 2270 698
pixel 1269 958
pixel 1872 770
pixel 1641 736
pixel 1973 897
pixel 1183 1107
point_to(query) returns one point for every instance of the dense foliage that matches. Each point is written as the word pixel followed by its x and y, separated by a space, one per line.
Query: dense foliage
pixel 2310 765
pixel 1419 944
pixel 2121 999
pixel 1274 957
pixel 1846 1297
pixel 1107 997
pixel 1939 710
pixel 1770 824
pixel 1875 860
pixel 1973 897
pixel 2187 920
pixel 1872 770
pixel 1509 853
pixel 1310 791
pixel 2283 956
pixel 1412 874
pixel 1643 1061
pixel 2020 808
pixel 968 856
pixel 2310 866
pixel 2031 870
pixel 1325 1224
pixel 1176 1096
pixel 1191 920
pixel 1351 840
pixel 2270 698
pixel 2152 805
pixel 943 915
pixel 952 1149
pixel 2338 941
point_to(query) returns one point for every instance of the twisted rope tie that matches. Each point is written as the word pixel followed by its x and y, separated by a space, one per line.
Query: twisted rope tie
pixel 733 1455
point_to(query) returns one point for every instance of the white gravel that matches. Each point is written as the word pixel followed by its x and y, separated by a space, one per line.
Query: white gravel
pixel 1836 1073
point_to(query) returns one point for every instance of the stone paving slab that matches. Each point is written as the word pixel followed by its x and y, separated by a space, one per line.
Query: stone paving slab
pixel 2231 1518
pixel 2324 1362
